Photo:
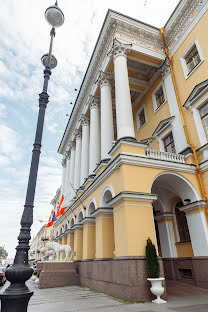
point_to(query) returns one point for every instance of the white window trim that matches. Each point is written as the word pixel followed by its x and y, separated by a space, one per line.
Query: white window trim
pixel 156 109
pixel 161 137
pixel 137 117
pixel 183 59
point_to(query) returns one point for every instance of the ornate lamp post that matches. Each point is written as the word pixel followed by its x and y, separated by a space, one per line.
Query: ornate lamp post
pixel 16 297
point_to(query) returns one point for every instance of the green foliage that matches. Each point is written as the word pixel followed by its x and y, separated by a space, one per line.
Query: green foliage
pixel 35 273
pixel 3 253
pixel 153 269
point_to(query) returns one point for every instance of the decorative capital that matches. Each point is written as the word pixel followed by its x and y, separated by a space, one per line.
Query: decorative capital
pixel 105 79
pixel 63 162
pixel 94 101
pixel 78 133
pixel 72 145
pixel 165 68
pixel 68 154
pixel 85 120
pixel 119 48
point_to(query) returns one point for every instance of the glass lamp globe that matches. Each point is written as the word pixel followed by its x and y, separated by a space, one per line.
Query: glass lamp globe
pixel 44 60
pixel 54 16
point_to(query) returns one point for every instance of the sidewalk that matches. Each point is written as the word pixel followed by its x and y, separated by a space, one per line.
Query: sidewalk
pixel 75 298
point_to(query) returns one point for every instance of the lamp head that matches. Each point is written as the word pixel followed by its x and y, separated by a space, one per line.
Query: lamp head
pixel 44 60
pixel 54 16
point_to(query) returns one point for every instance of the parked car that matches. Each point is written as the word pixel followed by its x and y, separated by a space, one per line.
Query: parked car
pixel 2 276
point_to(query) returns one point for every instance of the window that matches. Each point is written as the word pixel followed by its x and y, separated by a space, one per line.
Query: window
pixel 204 116
pixel 182 224
pixel 169 144
pixel 141 117
pixel 192 58
pixel 158 97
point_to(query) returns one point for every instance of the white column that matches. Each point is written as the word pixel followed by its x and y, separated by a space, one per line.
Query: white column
pixel 106 114
pixel 197 224
pixel 77 166
pixel 94 133
pixel 72 163
pixel 124 116
pixel 166 234
pixel 63 175
pixel 177 126
pixel 200 129
pixel 85 120
pixel 67 169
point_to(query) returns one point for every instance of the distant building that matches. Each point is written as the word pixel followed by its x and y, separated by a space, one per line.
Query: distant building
pixel 40 240
pixel 135 149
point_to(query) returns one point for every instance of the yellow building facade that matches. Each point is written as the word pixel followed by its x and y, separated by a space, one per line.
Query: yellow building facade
pixel 135 154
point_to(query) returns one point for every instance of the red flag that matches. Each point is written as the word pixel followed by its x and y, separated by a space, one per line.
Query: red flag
pixel 60 209
pixel 50 221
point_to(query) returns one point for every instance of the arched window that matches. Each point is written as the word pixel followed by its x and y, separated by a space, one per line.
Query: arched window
pixel 182 224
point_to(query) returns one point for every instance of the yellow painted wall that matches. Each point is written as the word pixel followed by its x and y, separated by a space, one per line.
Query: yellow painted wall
pixel 104 236
pixel 89 240
pixel 70 240
pixel 153 118
pixel 184 250
pixel 78 244
pixel 133 225
pixel 185 86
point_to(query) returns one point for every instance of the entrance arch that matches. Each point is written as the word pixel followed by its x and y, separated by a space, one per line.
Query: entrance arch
pixel 172 189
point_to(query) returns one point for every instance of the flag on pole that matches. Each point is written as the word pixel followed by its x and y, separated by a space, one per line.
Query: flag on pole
pixel 60 210
pixel 50 221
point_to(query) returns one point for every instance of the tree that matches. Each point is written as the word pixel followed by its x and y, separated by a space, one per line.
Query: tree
pixel 153 268
pixel 3 253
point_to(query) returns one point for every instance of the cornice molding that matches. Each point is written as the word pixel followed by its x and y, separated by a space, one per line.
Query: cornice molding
pixel 181 19
pixel 132 196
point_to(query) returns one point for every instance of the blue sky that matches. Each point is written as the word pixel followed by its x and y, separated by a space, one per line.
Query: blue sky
pixel 24 39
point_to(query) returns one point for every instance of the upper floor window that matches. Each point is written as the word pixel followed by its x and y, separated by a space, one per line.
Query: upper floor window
pixel 169 144
pixel 182 224
pixel 158 97
pixel 204 116
pixel 191 58
pixel 141 117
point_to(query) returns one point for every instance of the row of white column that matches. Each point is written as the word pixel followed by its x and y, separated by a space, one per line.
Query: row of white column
pixel 94 142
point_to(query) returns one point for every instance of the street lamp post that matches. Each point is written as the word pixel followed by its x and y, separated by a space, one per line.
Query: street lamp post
pixel 16 297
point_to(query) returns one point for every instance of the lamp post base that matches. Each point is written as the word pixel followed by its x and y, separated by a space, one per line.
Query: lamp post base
pixel 15 302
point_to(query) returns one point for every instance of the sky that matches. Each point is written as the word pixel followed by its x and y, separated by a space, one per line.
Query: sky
pixel 24 39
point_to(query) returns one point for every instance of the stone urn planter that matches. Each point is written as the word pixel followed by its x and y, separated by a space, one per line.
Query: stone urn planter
pixel 153 271
pixel 157 289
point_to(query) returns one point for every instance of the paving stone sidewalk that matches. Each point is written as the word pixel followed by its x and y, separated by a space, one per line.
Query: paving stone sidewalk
pixel 75 298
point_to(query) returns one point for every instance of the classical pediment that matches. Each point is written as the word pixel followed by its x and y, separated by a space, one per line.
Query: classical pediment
pixel 197 91
pixel 162 126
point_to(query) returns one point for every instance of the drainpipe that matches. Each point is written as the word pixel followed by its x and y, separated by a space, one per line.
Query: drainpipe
pixel 198 173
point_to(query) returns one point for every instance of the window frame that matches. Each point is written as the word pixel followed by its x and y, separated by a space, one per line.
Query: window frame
pixel 154 101
pixel 139 127
pixel 206 115
pixel 188 73
pixel 185 226
pixel 165 146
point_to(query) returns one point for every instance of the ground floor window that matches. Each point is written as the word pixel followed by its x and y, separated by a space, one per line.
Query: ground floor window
pixel 182 224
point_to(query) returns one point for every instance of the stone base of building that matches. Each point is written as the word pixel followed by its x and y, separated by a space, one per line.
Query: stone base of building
pixel 125 278
pixel 189 270
pixel 56 274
